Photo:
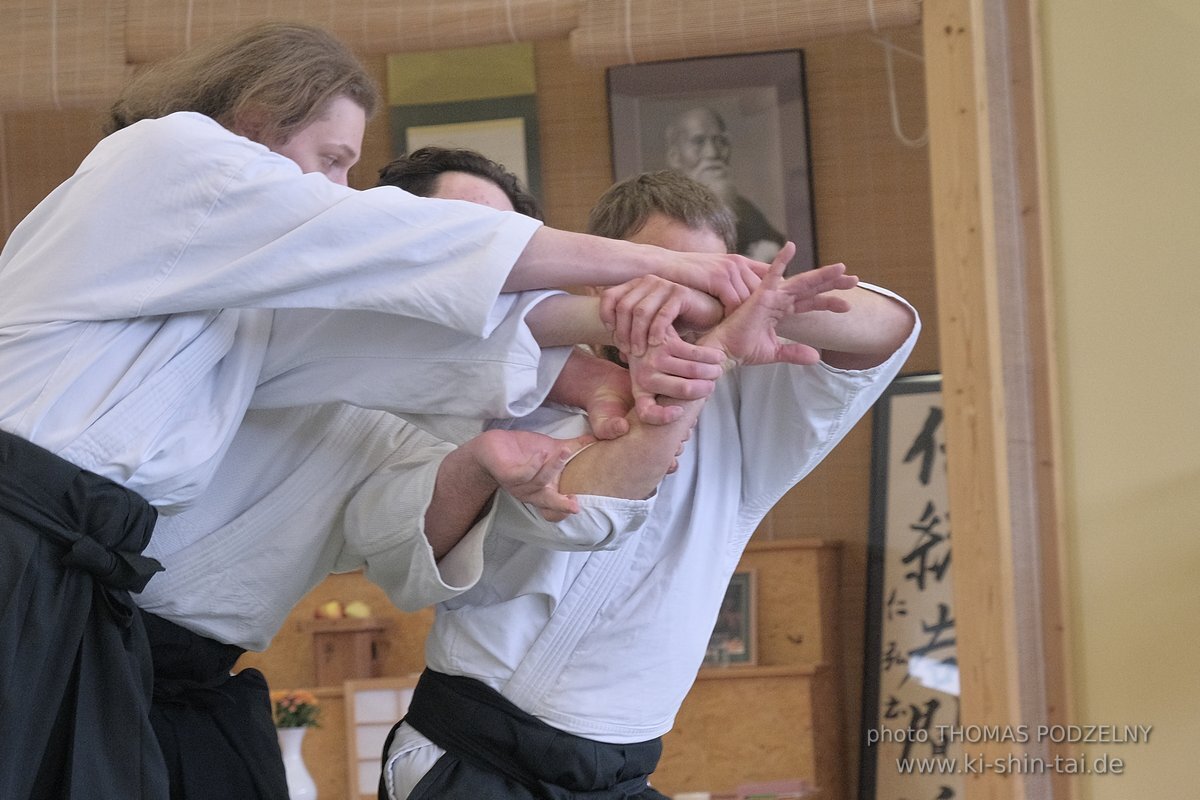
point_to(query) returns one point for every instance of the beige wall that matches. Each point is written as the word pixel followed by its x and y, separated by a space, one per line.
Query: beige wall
pixel 1122 85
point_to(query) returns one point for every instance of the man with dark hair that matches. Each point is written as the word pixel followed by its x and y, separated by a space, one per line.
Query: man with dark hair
pixel 426 171
pixel 550 676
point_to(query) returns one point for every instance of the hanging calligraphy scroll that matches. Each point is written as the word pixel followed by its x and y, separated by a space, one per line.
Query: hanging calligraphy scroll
pixel 911 747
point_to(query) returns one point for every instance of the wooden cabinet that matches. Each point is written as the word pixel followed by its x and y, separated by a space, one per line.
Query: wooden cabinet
pixel 347 649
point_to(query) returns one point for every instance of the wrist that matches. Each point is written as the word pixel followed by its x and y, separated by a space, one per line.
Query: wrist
pixel 712 339
pixel 475 471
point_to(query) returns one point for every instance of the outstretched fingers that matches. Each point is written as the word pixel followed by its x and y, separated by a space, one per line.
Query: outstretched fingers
pixel 811 289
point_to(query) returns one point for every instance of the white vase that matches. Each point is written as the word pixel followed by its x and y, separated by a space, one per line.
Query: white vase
pixel 300 784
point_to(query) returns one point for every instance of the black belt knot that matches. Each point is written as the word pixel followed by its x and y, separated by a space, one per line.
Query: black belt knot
pixel 117 569
pixel 99 526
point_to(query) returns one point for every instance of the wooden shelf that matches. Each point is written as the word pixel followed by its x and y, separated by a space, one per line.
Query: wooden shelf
pixel 344 624
pixel 777 671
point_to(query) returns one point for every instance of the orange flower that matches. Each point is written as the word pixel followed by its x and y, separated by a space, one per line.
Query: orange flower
pixel 295 708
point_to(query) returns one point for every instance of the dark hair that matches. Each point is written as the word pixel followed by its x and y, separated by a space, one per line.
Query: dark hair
pixel 418 173
pixel 624 209
pixel 266 82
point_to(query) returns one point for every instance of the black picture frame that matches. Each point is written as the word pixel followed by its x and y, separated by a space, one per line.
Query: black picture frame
pixel 910 683
pixel 734 639
pixel 482 98
pixel 761 100
pixel 472 123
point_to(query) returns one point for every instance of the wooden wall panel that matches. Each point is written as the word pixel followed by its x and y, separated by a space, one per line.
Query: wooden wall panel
pixel 324 747
pixel 716 745
pixel 61 54
pixel 288 662
pixel 780 719
pixel 377 141
pixel 796 582
pixel 38 151
pixel 576 154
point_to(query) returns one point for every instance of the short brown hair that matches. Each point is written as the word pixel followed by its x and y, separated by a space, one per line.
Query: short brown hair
pixel 280 75
pixel 626 206
pixel 418 173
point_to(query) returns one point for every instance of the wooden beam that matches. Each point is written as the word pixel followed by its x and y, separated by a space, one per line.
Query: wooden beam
pixel 995 321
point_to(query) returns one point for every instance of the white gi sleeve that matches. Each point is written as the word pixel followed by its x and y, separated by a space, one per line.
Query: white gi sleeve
pixel 384 527
pixel 603 523
pixel 791 417
pixel 416 367
pixel 194 218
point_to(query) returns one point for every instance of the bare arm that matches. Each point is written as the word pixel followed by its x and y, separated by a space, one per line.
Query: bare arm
pixel 556 259
pixel 865 335
pixel 525 464
pixel 633 465
pixel 565 319
pixel 598 386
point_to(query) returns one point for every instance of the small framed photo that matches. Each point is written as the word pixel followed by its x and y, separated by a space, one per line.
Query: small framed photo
pixel 739 125
pixel 733 639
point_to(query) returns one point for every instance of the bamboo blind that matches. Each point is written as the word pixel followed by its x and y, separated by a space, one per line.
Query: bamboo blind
pixel 61 54
pixel 57 54
pixel 629 32
pixel 160 28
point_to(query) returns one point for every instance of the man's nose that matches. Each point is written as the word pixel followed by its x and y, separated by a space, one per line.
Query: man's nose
pixel 715 146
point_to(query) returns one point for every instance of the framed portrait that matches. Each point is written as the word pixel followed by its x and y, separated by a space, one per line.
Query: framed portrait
pixel 911 683
pixel 733 639
pixel 738 124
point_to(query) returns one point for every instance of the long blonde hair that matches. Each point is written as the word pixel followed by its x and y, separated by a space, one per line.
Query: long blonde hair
pixel 266 82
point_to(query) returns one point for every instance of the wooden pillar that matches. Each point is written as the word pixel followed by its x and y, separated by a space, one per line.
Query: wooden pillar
pixel 994 315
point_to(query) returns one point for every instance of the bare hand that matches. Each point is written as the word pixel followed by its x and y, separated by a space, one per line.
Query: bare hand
pixel 673 370
pixel 641 311
pixel 727 277
pixel 598 386
pixel 748 334
pixel 529 465
pixel 609 401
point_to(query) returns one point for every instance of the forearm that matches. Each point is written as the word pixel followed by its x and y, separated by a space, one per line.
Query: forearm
pixel 567 319
pixel 461 494
pixel 863 337
pixel 604 391
pixel 633 465
pixel 555 259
